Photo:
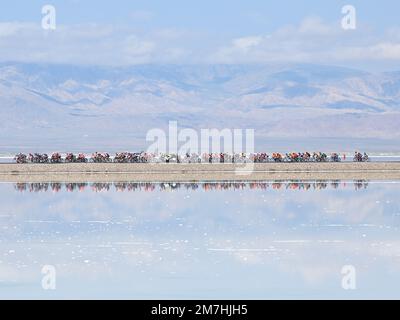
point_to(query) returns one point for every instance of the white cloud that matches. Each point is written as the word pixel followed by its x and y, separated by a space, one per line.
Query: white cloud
pixel 86 44
pixel 8 29
pixel 385 50
pixel 315 26
pixel 135 46
pixel 374 52
pixel 311 40
pixel 247 43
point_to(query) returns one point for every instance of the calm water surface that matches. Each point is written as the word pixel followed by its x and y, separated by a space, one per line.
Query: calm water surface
pixel 207 240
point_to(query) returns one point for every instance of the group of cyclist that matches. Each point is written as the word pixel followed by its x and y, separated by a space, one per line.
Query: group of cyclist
pixel 143 157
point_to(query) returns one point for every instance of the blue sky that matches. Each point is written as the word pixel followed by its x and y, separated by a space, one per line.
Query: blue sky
pixel 224 31
pixel 226 16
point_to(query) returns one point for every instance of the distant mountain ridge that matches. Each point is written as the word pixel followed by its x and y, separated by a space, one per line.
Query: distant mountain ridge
pixel 61 101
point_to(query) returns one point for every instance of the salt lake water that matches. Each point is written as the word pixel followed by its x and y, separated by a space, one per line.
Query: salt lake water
pixel 256 240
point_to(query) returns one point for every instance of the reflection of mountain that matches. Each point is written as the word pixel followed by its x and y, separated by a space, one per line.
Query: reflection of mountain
pixel 92 105
pixel 205 186
pixel 296 241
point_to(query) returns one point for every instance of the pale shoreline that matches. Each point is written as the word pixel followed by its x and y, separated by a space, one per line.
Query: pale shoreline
pixel 147 172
